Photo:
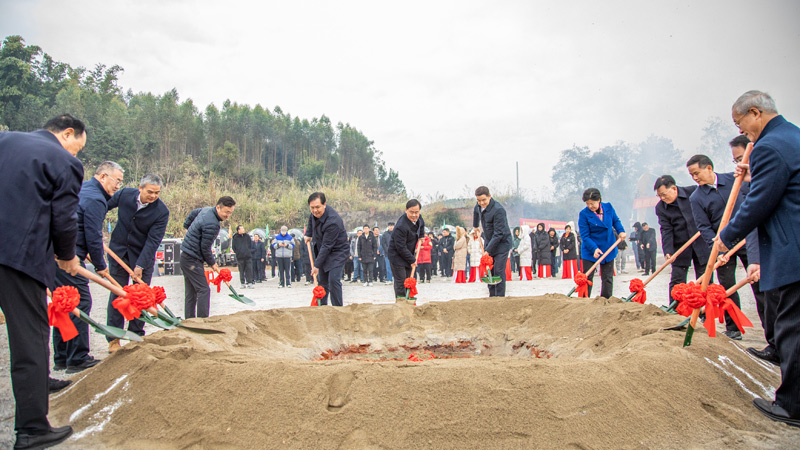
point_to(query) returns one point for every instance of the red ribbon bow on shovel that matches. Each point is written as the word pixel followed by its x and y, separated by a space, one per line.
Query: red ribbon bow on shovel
pixel 583 283
pixel 319 293
pixel 411 285
pixel 637 286
pixel 137 297
pixel 65 299
pixel 223 276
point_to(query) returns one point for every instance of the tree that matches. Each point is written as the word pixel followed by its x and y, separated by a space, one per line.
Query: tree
pixel 716 135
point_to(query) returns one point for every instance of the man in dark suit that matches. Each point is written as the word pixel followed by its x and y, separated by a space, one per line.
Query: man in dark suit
pixel 708 205
pixel 447 247
pixel 73 355
pixel 141 224
pixel 42 172
pixel 647 241
pixel 409 229
pixel 491 216
pixel 773 208
pixel 674 212
pixel 325 229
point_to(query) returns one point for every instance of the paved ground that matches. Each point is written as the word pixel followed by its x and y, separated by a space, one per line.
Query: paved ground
pixel 267 295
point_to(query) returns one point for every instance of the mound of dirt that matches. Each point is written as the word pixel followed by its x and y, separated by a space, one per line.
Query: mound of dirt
pixel 538 372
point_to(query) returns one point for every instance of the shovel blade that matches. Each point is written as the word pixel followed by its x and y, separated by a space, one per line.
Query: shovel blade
pixel 679 326
pixel 687 341
pixel 109 331
pixel 240 298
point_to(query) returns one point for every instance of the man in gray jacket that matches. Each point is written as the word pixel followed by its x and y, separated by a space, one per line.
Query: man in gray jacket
pixel 202 226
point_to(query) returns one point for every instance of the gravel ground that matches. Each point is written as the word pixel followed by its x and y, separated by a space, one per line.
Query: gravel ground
pixel 268 295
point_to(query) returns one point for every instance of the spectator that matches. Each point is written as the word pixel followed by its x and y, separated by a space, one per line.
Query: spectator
pixel 424 260
pixel 597 223
pixel 386 237
pixel 460 255
pixel 259 259
pixel 283 247
pixel 621 256
pixel 568 249
pixel 435 253
pixel 541 244
pixel 306 261
pixel 357 273
pixel 515 240
pixel 525 254
pixel 242 245
pixel 348 265
pixel 367 249
pixel 441 255
pixel 446 244
pixel 474 253
pixel 638 254
pixel 297 264
pixel 647 242
pixel 553 251
pixel 380 260
pixel 273 261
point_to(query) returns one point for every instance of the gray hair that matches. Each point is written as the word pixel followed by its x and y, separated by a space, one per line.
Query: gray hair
pixel 107 167
pixel 150 178
pixel 755 99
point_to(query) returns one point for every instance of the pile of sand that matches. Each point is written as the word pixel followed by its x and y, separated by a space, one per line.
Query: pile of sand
pixel 515 373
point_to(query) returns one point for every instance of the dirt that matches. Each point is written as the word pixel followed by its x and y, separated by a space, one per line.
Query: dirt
pixel 528 372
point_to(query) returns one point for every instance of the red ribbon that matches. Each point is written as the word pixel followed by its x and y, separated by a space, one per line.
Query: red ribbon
pixel 487 262
pixel 689 296
pixel 583 284
pixel 720 300
pixel 319 293
pixel 224 275
pixel 137 297
pixel 638 286
pixel 424 356
pixel 411 285
pixel 160 294
pixel 65 299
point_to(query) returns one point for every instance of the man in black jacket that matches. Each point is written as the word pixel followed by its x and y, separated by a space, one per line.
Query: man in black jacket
pixel 259 258
pixel 647 241
pixel 446 246
pixel 202 226
pixel 368 252
pixel 674 212
pixel 325 230
pixel 242 246
pixel 73 355
pixel 491 216
pixel 141 224
pixel 41 170
pixel 409 229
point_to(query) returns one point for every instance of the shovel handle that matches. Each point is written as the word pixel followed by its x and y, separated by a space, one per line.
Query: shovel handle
pixel 123 265
pixel 97 279
pixel 731 252
pixel 416 257
pixel 599 260
pixel 672 258
pixel 311 258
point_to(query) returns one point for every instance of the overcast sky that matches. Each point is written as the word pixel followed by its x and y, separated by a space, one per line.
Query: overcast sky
pixel 453 93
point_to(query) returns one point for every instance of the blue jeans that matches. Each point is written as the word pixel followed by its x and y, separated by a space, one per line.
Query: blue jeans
pixel 357 275
pixel 388 269
pixel 332 282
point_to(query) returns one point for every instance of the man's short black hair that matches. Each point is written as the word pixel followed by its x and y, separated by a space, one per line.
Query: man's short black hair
pixel 482 190
pixel 412 203
pixel 739 141
pixel 702 161
pixel 446 229
pixel 227 201
pixel 664 180
pixel 316 196
pixel 239 226
pixel 64 121
pixel 644 224
pixel 391 224
pixel 365 226
pixel 592 194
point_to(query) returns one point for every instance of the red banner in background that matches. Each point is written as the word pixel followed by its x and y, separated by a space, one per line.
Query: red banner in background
pixel 645 202
pixel 558 226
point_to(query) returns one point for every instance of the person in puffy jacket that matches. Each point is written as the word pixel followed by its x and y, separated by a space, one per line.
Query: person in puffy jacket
pixel 569 252
pixel 515 240
pixel 283 246
pixel 525 254
pixel 541 246
pixel 367 251
pixel 475 250
pixel 460 256
pixel 242 245
pixel 553 250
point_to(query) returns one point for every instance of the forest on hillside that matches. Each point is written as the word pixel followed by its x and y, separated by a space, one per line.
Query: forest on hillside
pixel 235 144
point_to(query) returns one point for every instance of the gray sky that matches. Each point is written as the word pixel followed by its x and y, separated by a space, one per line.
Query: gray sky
pixel 452 92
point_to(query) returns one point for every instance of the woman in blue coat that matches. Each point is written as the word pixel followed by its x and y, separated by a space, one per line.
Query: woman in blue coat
pixel 597 223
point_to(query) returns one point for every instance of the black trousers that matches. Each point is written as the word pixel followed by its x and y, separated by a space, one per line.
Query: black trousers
pixel 297 270
pixel 76 350
pixel 499 270
pixel 24 304
pixel 332 282
pixel 553 264
pixel 399 275
pixel 787 339
pixel 434 264
pixel 447 264
pixel 380 268
pixel 245 270
pixel 258 270
pixel 284 271
pixel 113 317
pixel 650 260
pixel 681 273
pixel 307 271
pixel 423 271
pixel 368 269
pixel 766 306
pixel 273 265
pixel 606 277
pixel 197 294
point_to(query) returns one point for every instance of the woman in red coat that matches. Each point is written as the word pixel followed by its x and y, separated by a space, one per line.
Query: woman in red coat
pixel 424 260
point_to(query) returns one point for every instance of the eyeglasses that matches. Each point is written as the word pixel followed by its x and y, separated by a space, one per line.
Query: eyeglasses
pixel 118 180
pixel 741 119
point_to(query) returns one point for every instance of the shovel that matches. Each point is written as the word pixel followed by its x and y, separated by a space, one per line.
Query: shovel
pixel 132 274
pixel 664 266
pixel 413 269
pixel 728 293
pixel 106 330
pixel 597 263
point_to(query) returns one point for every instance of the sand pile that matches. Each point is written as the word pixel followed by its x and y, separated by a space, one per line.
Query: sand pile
pixel 540 372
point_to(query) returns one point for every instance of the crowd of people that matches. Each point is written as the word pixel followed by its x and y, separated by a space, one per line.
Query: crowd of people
pixel 58 219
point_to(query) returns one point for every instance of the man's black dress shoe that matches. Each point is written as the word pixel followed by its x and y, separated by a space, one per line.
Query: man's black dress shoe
pixel 37 441
pixel 768 354
pixel 86 364
pixel 54 385
pixel 775 412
